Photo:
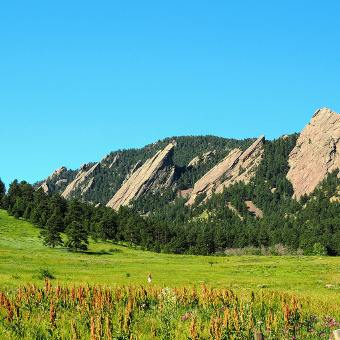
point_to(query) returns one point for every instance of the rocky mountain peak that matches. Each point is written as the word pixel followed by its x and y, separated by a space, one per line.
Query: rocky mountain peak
pixel 237 166
pixel 316 152
pixel 154 173
pixel 56 173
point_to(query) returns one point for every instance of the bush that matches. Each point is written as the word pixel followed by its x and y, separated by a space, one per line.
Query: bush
pixel 115 250
pixel 319 249
pixel 45 274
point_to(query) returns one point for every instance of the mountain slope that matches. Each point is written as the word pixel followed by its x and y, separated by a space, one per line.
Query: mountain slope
pixel 99 182
pixel 237 166
pixel 157 172
pixel 152 182
pixel 316 153
pixel 203 165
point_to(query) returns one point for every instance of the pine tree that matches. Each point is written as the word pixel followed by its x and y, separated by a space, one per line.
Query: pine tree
pixel 77 236
pixel 2 189
pixel 51 235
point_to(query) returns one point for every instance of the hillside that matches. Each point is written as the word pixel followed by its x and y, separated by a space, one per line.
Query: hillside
pixel 200 195
pixel 44 290
pixel 99 182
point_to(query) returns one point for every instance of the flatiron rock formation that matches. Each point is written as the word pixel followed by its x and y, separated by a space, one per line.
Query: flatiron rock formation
pixel 316 152
pixel 56 173
pixel 206 156
pixel 155 172
pixel 237 166
pixel 82 180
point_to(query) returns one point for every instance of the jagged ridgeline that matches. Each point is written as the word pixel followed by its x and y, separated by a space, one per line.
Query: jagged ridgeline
pixel 188 160
pixel 249 183
pixel 201 195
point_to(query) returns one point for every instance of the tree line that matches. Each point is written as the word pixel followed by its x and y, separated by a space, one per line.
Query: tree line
pixel 162 222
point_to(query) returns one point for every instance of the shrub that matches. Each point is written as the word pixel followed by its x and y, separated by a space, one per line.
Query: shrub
pixel 45 274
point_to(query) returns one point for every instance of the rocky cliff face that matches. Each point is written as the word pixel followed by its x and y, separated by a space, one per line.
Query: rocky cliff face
pixel 237 166
pixel 157 172
pixel 83 180
pixel 56 173
pixel 316 152
pixel 206 156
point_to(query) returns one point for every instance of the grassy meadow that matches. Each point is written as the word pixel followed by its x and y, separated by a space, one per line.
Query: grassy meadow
pixel 25 260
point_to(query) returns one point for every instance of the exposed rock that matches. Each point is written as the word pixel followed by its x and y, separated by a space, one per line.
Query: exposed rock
pixel 136 166
pixel 104 159
pixel 253 209
pixel 80 180
pixel 206 156
pixel 234 210
pixel 61 181
pixel 114 161
pixel 171 179
pixel 56 173
pixel 147 177
pixel 44 186
pixel 237 166
pixel 185 193
pixel 88 185
pixel 316 152
pixel 83 167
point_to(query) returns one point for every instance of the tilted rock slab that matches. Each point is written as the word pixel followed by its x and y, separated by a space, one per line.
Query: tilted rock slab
pixel 82 179
pixel 316 152
pixel 55 173
pixel 144 178
pixel 237 166
pixel 204 158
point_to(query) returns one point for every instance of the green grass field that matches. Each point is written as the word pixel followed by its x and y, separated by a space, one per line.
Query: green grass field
pixel 23 258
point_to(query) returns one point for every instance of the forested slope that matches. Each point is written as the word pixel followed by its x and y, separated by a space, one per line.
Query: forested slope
pixel 162 218
pixel 208 226
pixel 100 185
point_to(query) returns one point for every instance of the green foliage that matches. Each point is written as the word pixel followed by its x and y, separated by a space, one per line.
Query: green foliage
pixel 51 233
pixel 2 190
pixel 45 274
pixel 210 225
pixel 76 236
pixel 318 250
pixel 109 174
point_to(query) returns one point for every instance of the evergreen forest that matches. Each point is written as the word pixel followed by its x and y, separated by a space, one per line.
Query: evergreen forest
pixel 161 222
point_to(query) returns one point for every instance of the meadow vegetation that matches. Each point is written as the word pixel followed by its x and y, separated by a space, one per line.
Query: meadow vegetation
pixel 103 292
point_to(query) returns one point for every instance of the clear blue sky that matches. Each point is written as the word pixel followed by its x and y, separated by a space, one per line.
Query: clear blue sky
pixel 79 79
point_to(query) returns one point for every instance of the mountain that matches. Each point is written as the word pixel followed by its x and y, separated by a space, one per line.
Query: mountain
pixel 237 166
pixel 200 194
pixel 195 165
pixel 155 174
pixel 176 162
pixel 316 153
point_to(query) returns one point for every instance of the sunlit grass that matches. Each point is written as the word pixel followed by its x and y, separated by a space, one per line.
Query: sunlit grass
pixel 23 257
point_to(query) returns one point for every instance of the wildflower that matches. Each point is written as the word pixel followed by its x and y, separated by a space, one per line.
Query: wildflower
pixel 74 330
pixel 286 314
pixel 53 314
pixel 153 331
pixel 193 330
pixel 93 329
